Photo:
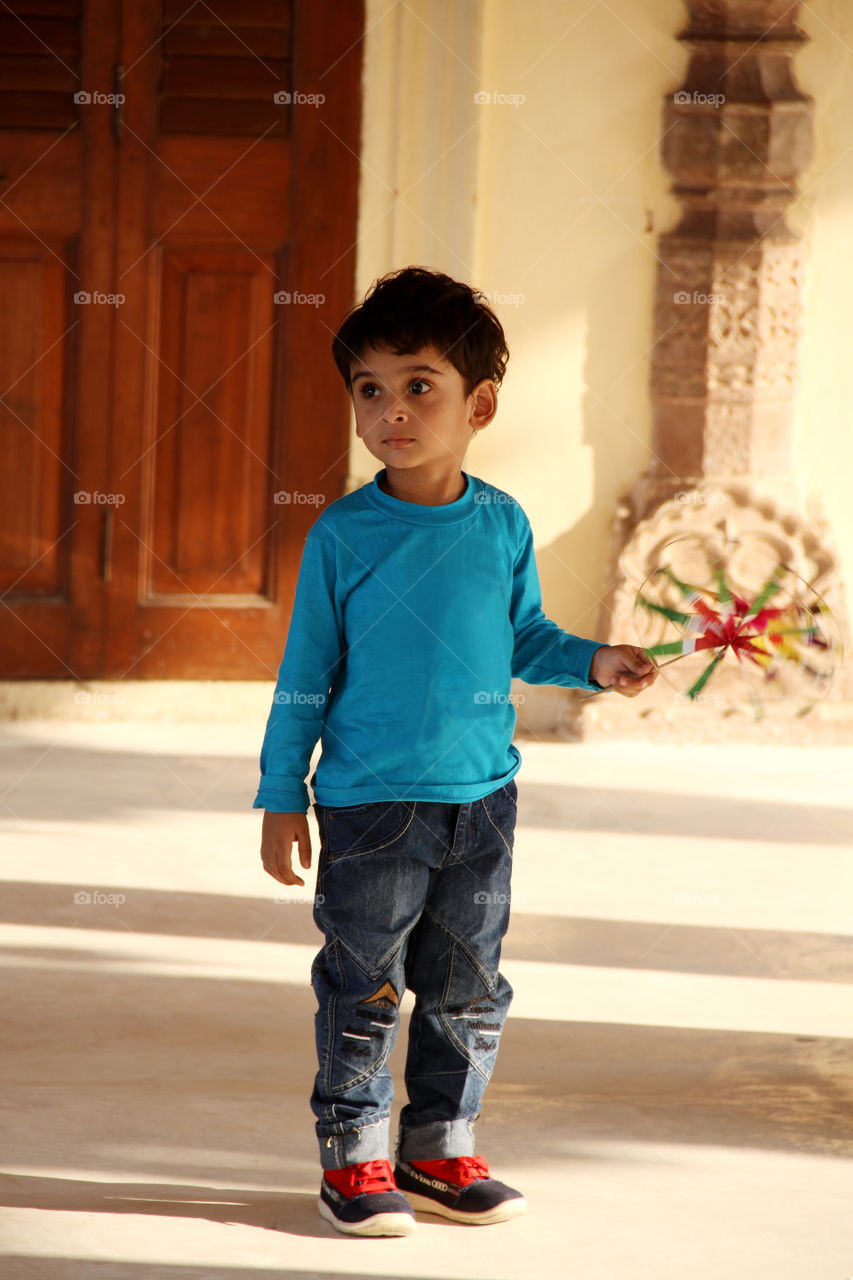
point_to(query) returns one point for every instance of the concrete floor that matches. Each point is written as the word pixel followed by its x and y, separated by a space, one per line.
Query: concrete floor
pixel 674 1092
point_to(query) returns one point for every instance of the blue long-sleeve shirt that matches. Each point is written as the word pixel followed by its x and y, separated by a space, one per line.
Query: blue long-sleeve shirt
pixel 408 623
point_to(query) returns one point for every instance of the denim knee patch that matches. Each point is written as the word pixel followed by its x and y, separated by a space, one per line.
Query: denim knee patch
pixel 357 1020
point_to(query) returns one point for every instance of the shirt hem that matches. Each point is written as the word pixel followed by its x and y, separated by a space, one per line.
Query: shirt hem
pixel 389 793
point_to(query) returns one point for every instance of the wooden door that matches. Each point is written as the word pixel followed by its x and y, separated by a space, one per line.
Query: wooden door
pixel 177 262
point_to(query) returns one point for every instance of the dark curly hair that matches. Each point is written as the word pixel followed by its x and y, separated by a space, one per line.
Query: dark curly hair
pixel 415 307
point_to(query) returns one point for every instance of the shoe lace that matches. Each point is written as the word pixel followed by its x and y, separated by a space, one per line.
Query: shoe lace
pixel 461 1170
pixel 373 1176
pixel 471 1169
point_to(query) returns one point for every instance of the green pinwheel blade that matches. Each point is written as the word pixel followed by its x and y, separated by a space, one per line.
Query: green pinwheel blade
pixel 686 590
pixel 722 587
pixel 672 614
pixel 699 685
pixel 670 646
pixel 766 593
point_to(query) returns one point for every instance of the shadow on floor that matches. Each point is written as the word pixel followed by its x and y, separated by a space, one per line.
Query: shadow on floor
pixel 292 1212
pixel 20 1267
pixel 99 786
pixel 622 944
pixel 128 1072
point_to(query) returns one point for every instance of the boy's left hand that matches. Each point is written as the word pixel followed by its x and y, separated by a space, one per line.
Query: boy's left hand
pixel 624 668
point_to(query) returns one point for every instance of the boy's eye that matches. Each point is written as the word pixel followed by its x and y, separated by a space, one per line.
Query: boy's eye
pixel 419 386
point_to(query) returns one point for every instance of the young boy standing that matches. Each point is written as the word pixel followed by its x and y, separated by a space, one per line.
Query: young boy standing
pixel 417 601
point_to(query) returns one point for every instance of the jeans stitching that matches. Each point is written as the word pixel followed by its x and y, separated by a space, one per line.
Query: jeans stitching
pixel 382 966
pixel 371 1071
pixel 482 973
pixel 494 824
pixel 448 1029
pixel 331 1009
pixel 335 857
pixel 390 1038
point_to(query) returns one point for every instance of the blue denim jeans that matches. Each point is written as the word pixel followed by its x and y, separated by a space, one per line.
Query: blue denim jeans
pixel 409 894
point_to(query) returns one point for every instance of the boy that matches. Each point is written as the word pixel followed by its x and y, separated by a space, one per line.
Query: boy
pixel 417 600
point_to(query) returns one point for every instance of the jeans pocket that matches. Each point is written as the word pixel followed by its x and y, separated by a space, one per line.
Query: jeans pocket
pixel 365 828
pixel 500 807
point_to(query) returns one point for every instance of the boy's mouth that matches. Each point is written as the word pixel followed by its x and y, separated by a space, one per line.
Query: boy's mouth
pixel 399 440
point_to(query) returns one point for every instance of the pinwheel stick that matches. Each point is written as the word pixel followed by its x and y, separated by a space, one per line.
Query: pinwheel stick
pixel 658 666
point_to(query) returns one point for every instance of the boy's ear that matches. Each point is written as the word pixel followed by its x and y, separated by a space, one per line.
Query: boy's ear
pixel 485 406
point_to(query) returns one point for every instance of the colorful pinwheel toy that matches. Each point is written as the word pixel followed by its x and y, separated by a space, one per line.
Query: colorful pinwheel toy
pixel 784 631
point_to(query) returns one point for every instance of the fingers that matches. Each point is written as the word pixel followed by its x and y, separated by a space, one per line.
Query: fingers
pixel 305 851
pixel 279 833
pixel 282 871
pixel 277 863
pixel 630 686
pixel 290 876
pixel 638 660
pixel 639 672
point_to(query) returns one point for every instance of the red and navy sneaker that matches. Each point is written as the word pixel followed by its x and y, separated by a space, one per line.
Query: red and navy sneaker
pixel 363 1200
pixel 461 1189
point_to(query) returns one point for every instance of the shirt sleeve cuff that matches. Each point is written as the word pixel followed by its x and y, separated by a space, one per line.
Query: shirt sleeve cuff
pixel 286 797
pixel 585 664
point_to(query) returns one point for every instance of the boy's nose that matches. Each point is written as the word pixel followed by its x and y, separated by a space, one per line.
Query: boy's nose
pixel 394 414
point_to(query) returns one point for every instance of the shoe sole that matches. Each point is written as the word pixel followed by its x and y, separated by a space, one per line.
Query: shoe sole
pixel 500 1213
pixel 381 1224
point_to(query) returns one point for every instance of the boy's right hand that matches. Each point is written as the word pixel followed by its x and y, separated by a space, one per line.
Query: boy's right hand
pixel 277 835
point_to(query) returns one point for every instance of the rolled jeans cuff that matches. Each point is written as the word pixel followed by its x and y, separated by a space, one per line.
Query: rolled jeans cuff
pixel 439 1141
pixel 356 1146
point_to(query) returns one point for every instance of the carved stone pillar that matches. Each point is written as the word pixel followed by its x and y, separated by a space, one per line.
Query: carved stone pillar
pixel 727 310
pixel 736 136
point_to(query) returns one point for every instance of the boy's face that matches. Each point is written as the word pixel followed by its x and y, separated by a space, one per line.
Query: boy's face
pixel 412 411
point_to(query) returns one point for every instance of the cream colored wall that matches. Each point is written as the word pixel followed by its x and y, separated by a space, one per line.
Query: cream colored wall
pixel 572 194
pixel 823 214
pixel 555 203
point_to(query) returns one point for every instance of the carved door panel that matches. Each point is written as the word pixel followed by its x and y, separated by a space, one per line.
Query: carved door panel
pixel 163 393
